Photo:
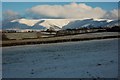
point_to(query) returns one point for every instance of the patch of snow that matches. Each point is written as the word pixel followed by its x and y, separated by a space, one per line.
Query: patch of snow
pixel 108 20
pixel 84 59
pixel 29 22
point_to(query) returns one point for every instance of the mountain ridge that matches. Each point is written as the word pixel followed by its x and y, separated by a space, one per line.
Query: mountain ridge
pixel 58 24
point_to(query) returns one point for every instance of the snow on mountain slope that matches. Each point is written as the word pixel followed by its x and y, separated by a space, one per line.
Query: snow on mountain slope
pixel 103 20
pixel 47 23
pixel 15 24
pixel 113 23
pixel 26 21
pixel 88 23
pixel 57 24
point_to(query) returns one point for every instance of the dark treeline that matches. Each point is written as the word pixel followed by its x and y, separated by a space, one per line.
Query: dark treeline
pixel 87 30
pixel 113 29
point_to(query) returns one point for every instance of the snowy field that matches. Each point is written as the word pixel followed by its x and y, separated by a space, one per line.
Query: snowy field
pixel 82 59
pixel 0 62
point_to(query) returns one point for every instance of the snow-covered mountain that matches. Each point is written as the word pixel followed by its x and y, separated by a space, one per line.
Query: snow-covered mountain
pixel 91 23
pixel 36 24
pixel 57 24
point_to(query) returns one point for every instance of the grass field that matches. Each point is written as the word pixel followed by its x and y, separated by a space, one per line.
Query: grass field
pixel 79 37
